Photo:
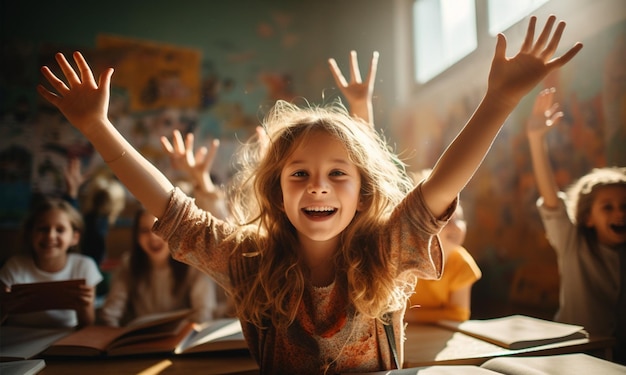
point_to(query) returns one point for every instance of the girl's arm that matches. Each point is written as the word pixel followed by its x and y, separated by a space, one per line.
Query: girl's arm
pixel 73 180
pixel 84 102
pixel 545 114
pixel 357 93
pixel 510 79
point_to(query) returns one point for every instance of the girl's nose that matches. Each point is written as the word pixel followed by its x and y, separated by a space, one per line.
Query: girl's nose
pixel 317 186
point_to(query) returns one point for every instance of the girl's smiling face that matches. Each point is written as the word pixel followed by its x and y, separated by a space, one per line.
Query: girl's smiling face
pixel 320 187
pixel 154 246
pixel 53 235
pixel 608 215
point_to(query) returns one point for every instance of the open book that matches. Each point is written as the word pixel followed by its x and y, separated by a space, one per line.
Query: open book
pixel 220 334
pixel 517 331
pixel 153 333
pixel 157 333
pixel 564 364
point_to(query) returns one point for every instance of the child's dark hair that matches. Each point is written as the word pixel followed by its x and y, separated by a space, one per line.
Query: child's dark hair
pixel 140 263
pixel 582 193
pixel 44 204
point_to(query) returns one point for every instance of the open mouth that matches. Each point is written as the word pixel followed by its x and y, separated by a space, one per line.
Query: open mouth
pixel 319 211
pixel 619 229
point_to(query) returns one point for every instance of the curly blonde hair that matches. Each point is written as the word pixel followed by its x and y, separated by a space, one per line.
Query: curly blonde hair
pixel 581 195
pixel 274 292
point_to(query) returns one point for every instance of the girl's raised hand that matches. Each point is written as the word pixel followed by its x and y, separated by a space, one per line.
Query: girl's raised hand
pixel 358 93
pixel 544 115
pixel 73 177
pixel 512 78
pixel 182 156
pixel 82 100
pixel 356 90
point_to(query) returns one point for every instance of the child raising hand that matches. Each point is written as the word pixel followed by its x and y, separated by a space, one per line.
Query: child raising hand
pixel 586 227
pixel 333 235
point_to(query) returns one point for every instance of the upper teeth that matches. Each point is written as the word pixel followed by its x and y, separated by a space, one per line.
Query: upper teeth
pixel 319 209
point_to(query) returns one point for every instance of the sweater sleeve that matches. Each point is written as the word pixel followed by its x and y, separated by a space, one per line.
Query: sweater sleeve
pixel 196 237
pixel 413 235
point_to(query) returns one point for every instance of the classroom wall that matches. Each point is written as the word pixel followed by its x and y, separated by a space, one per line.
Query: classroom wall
pixel 221 64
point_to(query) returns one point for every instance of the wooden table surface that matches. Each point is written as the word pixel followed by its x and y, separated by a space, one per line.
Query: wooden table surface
pixel 426 345
pixel 238 363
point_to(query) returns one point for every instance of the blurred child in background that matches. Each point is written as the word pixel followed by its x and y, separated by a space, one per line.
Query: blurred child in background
pixel 150 281
pixel 586 227
pixel 51 237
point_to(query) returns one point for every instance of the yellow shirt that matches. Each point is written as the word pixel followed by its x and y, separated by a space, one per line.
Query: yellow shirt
pixel 432 296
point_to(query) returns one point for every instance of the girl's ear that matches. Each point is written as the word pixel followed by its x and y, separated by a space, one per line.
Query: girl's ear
pixel 75 238
pixel 360 205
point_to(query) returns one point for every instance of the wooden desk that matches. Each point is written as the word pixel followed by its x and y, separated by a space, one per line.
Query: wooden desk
pixel 226 363
pixel 428 345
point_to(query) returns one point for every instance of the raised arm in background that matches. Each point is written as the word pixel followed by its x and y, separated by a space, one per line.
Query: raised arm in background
pixel 198 166
pixel 357 93
pixel 544 116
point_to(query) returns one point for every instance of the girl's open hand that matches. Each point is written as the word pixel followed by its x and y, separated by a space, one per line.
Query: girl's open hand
pixel 359 94
pixel 544 115
pixel 197 165
pixel 81 100
pixel 512 78
pixel 356 90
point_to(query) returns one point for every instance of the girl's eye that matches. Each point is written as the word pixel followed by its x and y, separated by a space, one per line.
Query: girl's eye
pixel 337 173
pixel 299 174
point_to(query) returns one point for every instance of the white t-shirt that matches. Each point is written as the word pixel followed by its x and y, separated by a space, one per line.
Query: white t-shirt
pixel 21 269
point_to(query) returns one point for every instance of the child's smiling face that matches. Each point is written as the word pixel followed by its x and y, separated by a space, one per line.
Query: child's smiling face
pixel 154 246
pixel 608 215
pixel 53 235
pixel 320 186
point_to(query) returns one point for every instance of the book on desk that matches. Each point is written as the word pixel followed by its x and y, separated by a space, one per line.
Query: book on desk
pixel 434 344
pixel 517 331
pixel 563 364
pixel 165 333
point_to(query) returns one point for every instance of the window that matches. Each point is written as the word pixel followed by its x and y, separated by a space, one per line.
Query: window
pixel 444 33
pixel 504 13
